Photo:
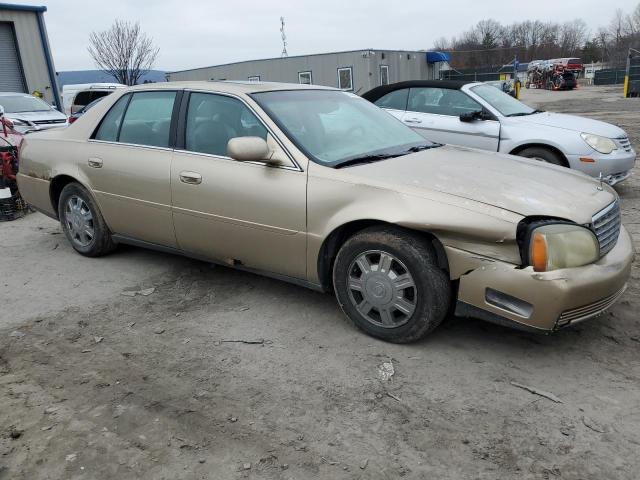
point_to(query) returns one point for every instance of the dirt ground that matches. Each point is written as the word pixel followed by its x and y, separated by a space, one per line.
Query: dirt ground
pixel 95 384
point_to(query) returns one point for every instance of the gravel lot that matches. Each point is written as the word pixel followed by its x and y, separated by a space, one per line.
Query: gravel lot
pixel 95 384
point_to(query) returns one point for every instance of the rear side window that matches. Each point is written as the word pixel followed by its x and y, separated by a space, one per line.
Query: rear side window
pixel 108 130
pixel 213 120
pixel 396 100
pixel 147 120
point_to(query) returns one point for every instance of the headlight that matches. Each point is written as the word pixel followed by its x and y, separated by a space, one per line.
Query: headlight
pixel 598 143
pixel 19 123
pixel 562 245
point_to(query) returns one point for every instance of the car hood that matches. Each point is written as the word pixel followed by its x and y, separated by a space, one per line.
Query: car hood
pixel 572 122
pixel 37 116
pixel 524 186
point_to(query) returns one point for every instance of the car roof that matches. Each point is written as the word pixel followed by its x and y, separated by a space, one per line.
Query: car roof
pixel 237 87
pixel 378 92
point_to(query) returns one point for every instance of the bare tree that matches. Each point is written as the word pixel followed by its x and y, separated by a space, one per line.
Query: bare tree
pixel 123 51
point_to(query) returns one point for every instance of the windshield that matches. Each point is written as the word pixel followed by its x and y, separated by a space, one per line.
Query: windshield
pixel 23 103
pixel 333 127
pixel 503 103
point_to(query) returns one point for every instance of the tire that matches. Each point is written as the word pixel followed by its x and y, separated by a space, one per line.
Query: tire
pixel 543 154
pixel 423 306
pixel 79 214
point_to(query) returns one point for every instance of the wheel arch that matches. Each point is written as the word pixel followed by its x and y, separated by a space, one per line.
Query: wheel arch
pixel 339 235
pixel 57 185
pixel 547 146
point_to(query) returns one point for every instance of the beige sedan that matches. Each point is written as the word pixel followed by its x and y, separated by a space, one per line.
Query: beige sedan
pixel 322 188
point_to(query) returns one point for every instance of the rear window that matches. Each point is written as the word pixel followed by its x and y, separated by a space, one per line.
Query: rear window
pixel 87 96
pixel 83 98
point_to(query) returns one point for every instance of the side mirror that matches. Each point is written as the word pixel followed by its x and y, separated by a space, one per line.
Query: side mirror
pixel 248 149
pixel 475 115
pixel 470 116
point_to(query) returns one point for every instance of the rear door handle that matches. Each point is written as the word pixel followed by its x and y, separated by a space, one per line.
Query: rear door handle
pixel 192 178
pixel 412 120
pixel 95 162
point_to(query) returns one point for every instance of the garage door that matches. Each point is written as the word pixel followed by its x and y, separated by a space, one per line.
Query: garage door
pixel 11 79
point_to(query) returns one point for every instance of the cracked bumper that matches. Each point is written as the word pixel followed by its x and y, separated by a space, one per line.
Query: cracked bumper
pixel 558 298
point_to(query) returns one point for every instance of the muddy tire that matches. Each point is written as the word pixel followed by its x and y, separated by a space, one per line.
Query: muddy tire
pixel 82 222
pixel 388 282
pixel 544 155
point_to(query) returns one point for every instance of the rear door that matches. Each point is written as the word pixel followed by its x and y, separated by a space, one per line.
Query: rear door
pixel 435 114
pixel 128 163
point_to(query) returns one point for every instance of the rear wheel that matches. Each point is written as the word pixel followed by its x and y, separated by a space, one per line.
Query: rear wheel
pixel 388 283
pixel 542 154
pixel 82 222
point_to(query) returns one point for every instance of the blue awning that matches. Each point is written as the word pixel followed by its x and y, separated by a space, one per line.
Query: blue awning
pixel 435 57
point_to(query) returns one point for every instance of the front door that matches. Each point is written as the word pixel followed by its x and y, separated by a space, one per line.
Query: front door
pixel 435 114
pixel 128 163
pixel 246 214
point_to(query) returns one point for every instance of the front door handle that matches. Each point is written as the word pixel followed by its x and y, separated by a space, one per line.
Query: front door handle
pixel 192 178
pixel 412 120
pixel 95 162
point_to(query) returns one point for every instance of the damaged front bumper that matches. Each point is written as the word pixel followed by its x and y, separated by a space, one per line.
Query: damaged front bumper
pixel 543 301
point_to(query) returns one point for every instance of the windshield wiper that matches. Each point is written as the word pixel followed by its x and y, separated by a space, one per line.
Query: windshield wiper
pixel 419 148
pixel 522 114
pixel 365 159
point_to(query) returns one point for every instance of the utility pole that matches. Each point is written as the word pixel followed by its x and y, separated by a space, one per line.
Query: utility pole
pixel 284 39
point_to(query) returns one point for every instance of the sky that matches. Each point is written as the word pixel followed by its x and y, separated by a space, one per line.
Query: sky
pixel 197 33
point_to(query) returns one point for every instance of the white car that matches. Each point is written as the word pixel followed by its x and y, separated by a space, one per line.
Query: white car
pixel 76 97
pixel 28 113
pixel 478 115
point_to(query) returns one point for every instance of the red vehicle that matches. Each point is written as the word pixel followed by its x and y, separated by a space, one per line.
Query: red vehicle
pixel 558 74
pixel 12 205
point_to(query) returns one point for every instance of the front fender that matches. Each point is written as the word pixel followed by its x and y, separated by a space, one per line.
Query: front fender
pixel 459 223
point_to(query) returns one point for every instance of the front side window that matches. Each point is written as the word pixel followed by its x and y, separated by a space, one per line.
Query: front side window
pixel 304 78
pixel 396 100
pixel 334 127
pixel 147 120
pixel 441 101
pixel 213 120
pixel 384 75
pixel 345 78
pixel 110 125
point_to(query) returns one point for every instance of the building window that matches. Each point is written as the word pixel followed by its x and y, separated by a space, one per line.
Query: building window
pixel 305 78
pixel 384 74
pixel 255 78
pixel 345 78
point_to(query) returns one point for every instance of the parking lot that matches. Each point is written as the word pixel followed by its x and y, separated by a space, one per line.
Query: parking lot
pixel 142 365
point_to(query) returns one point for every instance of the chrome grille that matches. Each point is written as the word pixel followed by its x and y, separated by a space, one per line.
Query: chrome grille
pixel 48 122
pixel 588 311
pixel 624 143
pixel 606 226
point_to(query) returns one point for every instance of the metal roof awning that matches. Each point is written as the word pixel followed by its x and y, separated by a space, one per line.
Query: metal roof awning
pixel 435 57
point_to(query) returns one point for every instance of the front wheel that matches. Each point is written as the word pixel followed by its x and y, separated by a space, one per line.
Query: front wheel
pixel 389 284
pixel 82 222
pixel 542 154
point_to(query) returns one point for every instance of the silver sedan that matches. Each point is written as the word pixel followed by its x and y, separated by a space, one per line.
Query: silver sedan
pixel 478 115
